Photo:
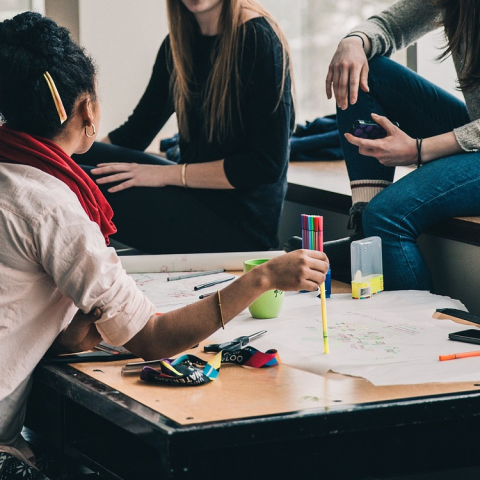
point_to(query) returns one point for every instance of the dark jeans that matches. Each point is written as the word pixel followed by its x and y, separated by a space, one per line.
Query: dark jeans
pixel 168 219
pixel 440 189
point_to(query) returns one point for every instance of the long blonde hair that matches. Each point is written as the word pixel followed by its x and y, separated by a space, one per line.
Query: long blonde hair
pixel 218 101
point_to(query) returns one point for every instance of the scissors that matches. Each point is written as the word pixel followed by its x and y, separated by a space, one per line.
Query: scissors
pixel 234 344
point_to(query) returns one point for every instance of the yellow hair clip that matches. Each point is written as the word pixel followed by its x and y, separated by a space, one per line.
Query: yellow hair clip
pixel 56 97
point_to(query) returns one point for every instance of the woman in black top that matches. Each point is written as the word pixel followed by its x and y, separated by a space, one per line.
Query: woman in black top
pixel 224 70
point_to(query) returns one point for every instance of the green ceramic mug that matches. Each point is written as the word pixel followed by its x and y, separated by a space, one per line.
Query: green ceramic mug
pixel 269 304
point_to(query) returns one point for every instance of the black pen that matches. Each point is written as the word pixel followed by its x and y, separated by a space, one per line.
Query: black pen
pixel 205 295
pixel 194 274
pixel 211 284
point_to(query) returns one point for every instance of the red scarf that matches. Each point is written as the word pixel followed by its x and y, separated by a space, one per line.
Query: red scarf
pixel 21 148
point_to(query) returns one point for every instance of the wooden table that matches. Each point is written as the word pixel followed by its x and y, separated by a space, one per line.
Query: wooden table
pixel 279 422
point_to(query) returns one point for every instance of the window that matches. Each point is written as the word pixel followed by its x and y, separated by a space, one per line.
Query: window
pixel 443 73
pixel 10 8
pixel 314 29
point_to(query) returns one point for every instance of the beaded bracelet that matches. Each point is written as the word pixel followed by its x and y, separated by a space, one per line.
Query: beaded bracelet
pixel 419 152
pixel 356 35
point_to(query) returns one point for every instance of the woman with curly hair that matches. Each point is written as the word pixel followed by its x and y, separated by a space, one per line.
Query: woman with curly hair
pixel 62 289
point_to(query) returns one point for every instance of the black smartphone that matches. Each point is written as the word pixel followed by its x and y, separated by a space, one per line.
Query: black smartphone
pixel 368 129
pixel 469 336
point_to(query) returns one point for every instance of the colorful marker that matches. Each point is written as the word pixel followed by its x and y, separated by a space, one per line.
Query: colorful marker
pixel 312 239
pixel 453 356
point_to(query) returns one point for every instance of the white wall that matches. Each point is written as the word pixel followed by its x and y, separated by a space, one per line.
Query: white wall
pixel 123 37
pixel 65 14
pixel 10 8
pixel 441 73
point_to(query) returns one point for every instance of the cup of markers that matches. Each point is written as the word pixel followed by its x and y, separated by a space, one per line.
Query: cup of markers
pixel 312 239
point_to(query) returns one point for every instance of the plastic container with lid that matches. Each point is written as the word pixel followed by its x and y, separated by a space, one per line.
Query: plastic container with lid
pixel 367 267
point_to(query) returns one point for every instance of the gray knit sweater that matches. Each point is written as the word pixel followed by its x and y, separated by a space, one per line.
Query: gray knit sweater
pixel 402 24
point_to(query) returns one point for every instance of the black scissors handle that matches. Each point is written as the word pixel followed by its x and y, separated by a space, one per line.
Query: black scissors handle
pixel 216 347
pixel 234 344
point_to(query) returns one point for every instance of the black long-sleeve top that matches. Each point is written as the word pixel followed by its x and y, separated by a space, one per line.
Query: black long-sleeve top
pixel 255 151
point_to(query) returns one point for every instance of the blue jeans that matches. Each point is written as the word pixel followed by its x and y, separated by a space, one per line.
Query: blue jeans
pixel 443 188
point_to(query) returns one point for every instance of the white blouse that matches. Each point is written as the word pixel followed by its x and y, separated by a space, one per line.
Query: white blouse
pixel 53 261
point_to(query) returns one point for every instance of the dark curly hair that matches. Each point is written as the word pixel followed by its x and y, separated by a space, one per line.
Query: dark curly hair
pixel 30 45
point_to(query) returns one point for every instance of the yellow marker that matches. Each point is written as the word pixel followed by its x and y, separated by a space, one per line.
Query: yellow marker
pixel 323 301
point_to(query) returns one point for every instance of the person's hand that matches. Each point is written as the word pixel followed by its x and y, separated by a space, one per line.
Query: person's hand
pixel 131 175
pixel 297 270
pixel 348 71
pixel 81 333
pixel 397 148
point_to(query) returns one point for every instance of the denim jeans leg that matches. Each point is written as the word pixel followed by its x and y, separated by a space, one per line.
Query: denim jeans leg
pixel 421 108
pixel 440 189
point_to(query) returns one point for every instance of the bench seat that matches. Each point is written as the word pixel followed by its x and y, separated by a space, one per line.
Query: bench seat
pixel 325 185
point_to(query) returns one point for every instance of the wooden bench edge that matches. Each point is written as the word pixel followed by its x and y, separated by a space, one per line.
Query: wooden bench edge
pixel 461 229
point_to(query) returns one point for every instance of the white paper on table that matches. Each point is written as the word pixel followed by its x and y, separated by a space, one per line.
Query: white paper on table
pixel 167 296
pixel 191 262
pixel 389 339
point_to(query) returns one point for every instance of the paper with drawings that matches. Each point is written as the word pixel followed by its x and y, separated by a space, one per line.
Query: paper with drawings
pixel 167 296
pixel 388 339
pixel 191 262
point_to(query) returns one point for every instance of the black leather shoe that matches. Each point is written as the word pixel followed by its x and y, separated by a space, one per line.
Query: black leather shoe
pixel 293 243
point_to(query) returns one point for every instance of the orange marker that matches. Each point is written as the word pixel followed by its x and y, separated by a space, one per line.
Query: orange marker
pixel 453 356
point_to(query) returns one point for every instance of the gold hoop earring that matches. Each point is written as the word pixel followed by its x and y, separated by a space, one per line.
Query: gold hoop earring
pixel 93 132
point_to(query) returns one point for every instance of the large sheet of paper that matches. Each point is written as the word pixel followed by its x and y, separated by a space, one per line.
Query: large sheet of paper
pixel 389 339
pixel 167 296
pixel 190 262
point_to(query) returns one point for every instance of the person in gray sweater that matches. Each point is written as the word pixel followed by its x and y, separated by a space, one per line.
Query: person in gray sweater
pixel 436 131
